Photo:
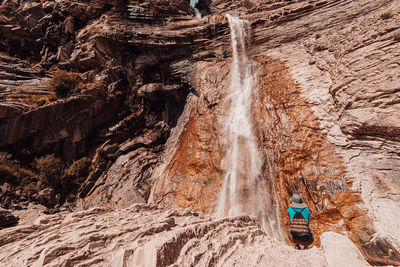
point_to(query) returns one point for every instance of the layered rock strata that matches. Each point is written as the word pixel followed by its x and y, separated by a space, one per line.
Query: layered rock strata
pixel 305 137
pixel 324 113
pixel 143 235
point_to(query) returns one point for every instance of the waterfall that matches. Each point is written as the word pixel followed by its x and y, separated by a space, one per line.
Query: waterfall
pixel 244 188
pixel 197 13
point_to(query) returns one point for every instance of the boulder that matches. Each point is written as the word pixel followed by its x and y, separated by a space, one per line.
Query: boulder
pixel 340 251
pixel 48 197
pixel 7 218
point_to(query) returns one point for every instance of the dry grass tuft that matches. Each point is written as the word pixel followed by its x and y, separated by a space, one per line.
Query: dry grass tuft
pixel 396 37
pixel 75 175
pixel 386 15
pixel 13 173
pixel 65 83
pixel 32 100
pixel 50 169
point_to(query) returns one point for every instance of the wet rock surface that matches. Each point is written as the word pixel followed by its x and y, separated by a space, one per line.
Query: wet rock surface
pixel 309 144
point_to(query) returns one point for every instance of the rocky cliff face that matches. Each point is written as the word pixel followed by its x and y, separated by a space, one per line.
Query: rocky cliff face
pixel 149 112
pixel 310 144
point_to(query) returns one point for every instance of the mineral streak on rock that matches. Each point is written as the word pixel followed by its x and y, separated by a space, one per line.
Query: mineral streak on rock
pixel 300 159
pixel 191 177
pixel 300 154
pixel 297 154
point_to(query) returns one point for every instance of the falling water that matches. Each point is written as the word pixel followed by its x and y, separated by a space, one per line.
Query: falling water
pixel 197 13
pixel 244 189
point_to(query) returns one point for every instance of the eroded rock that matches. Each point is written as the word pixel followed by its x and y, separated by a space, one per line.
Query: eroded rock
pixel 147 236
pixel 335 244
pixel 7 219
pixel 48 197
pixel 326 110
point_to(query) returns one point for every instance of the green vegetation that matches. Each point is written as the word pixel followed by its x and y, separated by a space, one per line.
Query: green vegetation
pixel 12 173
pixel 9 174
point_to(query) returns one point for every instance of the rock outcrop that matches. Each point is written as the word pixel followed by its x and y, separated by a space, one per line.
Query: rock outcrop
pixel 7 218
pixel 309 136
pixel 143 235
pixel 111 104
pixel 149 113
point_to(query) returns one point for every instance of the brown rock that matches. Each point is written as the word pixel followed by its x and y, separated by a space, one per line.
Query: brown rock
pixel 45 125
pixel 307 150
pixel 149 237
pixel 7 218
pixel 152 91
pixel 48 197
pixel 10 110
pixel 325 114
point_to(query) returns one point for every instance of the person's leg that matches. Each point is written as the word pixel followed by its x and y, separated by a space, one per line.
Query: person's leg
pixel 289 234
pixel 309 241
pixel 293 239
pixel 306 241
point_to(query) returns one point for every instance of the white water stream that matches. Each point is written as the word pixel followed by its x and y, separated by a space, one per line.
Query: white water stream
pixel 244 189
pixel 197 13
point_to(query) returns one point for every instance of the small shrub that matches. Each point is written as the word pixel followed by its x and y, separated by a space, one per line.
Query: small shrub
pixel 12 173
pixel 386 15
pixel 50 169
pixel 319 48
pixel 75 175
pixel 30 190
pixel 248 4
pixel 396 37
pixel 78 168
pixel 27 176
pixel 8 174
pixel 64 83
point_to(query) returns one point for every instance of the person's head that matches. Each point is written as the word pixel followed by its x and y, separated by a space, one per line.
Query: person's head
pixel 297 202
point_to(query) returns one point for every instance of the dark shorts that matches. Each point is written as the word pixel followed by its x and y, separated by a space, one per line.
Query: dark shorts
pixel 301 240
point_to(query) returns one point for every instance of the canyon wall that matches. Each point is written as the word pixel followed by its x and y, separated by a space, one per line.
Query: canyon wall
pixel 327 96
pixel 153 107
